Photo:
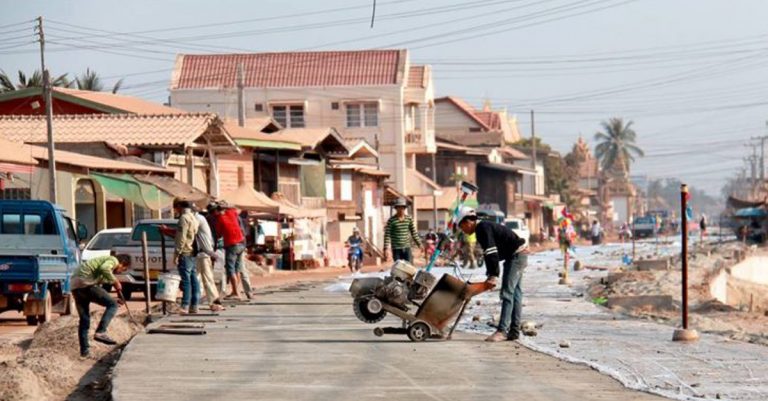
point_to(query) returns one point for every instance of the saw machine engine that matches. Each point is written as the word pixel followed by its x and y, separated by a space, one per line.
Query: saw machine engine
pixel 405 286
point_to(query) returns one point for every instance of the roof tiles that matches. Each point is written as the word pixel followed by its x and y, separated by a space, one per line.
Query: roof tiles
pixel 123 129
pixel 290 69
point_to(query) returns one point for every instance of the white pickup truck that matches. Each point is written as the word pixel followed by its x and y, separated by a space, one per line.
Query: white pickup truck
pixel 133 280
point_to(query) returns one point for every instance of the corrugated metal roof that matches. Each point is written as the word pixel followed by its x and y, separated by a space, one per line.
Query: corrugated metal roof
pixel 93 163
pixel 123 129
pixel 290 69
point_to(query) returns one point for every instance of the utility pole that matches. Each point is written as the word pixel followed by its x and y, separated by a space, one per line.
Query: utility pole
pixel 434 197
pixel 533 145
pixel 240 96
pixel 48 98
pixel 762 140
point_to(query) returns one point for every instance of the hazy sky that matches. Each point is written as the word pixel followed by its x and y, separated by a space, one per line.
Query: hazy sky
pixel 691 74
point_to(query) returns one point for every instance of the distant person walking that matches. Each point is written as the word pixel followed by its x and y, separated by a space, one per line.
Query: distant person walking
pixel 400 234
pixel 87 289
pixel 703 227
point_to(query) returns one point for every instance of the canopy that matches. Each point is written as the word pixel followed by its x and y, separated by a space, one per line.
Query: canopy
pixel 179 190
pixel 751 212
pixel 127 187
pixel 295 210
pixel 247 198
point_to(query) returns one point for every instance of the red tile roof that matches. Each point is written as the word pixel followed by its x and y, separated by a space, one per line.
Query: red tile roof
pixel 120 103
pixel 489 118
pixel 122 129
pixel 416 75
pixel 291 69
pixel 468 110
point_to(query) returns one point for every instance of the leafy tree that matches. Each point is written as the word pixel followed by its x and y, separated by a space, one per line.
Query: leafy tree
pixel 616 147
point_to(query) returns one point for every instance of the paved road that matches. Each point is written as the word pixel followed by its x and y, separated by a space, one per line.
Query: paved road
pixel 307 345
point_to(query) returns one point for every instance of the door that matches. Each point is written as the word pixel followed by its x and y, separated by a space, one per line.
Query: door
pixel 116 214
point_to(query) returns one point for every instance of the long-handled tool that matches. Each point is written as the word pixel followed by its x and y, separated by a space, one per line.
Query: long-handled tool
pixel 127 309
pixel 466 190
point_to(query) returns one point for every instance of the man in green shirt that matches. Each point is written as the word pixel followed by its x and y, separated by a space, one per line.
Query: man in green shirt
pixel 400 233
pixel 87 287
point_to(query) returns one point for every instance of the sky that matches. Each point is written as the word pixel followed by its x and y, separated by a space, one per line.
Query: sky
pixel 690 74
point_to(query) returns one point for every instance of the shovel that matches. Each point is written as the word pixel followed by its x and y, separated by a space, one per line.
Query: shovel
pixel 127 309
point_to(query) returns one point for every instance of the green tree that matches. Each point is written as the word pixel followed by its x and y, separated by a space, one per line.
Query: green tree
pixel 90 81
pixel 616 147
pixel 33 81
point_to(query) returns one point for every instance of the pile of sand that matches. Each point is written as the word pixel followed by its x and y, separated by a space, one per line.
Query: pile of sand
pixel 50 367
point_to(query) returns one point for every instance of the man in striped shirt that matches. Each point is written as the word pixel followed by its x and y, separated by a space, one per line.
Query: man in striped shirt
pixel 400 233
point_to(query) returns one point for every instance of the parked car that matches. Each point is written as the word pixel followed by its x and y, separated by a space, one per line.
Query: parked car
pixel 644 227
pixel 38 254
pixel 519 227
pixel 133 280
pixel 102 243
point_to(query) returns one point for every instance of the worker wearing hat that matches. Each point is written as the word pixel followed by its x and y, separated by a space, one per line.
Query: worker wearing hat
pixel 400 233
pixel 500 243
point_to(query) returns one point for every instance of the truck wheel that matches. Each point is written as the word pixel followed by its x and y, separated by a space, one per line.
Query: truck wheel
pixel 47 309
pixel 127 293
pixel 31 320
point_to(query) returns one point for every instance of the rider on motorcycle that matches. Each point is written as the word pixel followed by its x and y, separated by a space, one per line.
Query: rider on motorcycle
pixel 355 244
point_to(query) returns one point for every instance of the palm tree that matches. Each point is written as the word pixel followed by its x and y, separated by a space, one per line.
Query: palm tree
pixel 90 81
pixel 616 145
pixel 33 81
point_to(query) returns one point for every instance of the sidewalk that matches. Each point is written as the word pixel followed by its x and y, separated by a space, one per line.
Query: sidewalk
pixel 640 354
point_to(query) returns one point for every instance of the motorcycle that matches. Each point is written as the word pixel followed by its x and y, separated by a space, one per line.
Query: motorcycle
pixel 355 256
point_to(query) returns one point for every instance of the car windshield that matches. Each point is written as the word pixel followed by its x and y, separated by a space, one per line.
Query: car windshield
pixel 153 233
pixel 513 225
pixel 106 241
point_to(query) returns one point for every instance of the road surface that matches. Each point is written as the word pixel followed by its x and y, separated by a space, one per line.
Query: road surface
pixel 303 343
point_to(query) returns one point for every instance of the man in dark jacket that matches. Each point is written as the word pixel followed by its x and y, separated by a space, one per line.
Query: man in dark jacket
pixel 500 243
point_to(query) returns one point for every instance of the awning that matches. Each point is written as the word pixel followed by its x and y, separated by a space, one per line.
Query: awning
pixel 510 168
pixel 179 190
pixel 247 198
pixel 751 212
pixel 295 210
pixel 129 188
pixel 257 143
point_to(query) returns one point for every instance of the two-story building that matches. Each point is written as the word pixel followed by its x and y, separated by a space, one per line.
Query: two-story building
pixel 374 95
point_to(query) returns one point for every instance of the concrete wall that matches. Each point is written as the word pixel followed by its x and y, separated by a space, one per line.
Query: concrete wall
pixel 753 269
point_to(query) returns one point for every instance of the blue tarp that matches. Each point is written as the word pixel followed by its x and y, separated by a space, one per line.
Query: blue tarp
pixel 751 212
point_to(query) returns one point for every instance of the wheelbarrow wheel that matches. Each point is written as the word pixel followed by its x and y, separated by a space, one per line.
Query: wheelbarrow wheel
pixel 419 331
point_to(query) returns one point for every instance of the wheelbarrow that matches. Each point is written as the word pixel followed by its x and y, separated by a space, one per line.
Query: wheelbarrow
pixel 439 314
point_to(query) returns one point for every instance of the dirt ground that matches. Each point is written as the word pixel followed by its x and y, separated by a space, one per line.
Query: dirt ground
pixel 705 313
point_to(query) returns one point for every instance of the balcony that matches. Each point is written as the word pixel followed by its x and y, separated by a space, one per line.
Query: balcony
pixel 418 142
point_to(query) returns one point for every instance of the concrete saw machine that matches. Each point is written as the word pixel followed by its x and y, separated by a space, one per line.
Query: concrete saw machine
pixel 437 302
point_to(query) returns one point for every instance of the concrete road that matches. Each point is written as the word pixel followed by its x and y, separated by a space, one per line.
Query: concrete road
pixel 306 344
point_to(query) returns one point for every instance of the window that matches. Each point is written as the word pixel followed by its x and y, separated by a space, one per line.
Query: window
pixel 362 114
pixel 346 186
pixel 258 107
pixel 334 105
pixel 107 241
pixel 29 224
pixel 32 224
pixel 289 116
pixel 329 186
pixel 153 233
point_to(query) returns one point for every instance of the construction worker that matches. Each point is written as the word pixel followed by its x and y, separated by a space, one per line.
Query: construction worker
pixel 184 255
pixel 229 229
pixel 87 287
pixel 499 242
pixel 400 233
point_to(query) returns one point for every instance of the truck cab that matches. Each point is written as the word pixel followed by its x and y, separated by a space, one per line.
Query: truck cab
pixel 38 255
